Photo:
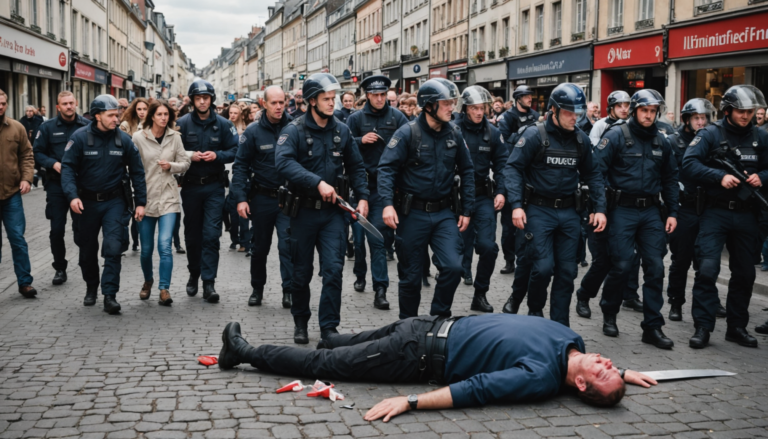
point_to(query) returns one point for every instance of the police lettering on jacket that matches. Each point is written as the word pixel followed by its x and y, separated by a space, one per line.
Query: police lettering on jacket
pixel 751 144
pixel 319 154
pixel 554 172
pixel 101 167
pixel 256 158
pixel 486 146
pixel 512 120
pixel 212 134
pixel 645 166
pixel 384 123
pixel 436 160
pixel 52 138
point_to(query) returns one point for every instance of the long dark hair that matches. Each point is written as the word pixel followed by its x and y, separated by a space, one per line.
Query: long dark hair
pixel 131 116
pixel 153 107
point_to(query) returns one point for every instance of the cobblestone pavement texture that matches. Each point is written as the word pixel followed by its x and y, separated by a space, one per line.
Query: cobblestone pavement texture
pixel 70 371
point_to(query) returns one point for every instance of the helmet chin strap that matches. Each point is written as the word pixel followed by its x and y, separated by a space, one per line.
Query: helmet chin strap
pixel 433 113
pixel 320 113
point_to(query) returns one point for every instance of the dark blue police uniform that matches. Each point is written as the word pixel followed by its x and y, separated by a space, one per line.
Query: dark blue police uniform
pixel 727 218
pixel 384 123
pixel 308 154
pixel 342 114
pixel 49 148
pixel 552 161
pixel 487 150
pixel 255 162
pixel 423 165
pixel 92 170
pixel 202 191
pixel 638 164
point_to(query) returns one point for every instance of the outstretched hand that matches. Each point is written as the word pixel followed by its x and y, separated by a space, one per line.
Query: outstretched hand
pixel 638 379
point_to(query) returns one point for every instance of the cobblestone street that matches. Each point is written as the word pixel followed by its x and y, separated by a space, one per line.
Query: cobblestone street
pixel 67 370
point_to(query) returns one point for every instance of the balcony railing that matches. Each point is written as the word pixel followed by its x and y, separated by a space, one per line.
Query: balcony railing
pixel 577 37
pixel 538 46
pixel 615 30
pixel 389 64
pixel 36 28
pixel 644 24
pixel 711 7
pixel 51 35
pixel 555 42
pixel 17 18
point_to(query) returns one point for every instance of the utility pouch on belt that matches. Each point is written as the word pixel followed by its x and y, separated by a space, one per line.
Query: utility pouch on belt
pixel 664 211
pixel 490 188
pixel 701 200
pixel 611 198
pixel 578 201
pixel 225 177
pixel 456 196
pixel 342 186
pixel 282 196
pixel 127 194
pixel 527 192
pixel 406 203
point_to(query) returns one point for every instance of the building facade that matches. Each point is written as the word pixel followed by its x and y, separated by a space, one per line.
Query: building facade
pixel 491 39
pixel 273 46
pixel 367 45
pixel 415 44
pixel 341 26
pixel 448 40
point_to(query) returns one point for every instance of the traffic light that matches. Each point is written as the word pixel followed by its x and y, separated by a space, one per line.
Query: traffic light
pixel 301 77
pixel 354 78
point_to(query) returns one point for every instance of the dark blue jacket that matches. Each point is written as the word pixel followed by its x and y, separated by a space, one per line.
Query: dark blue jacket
pixel 555 173
pixel 212 134
pixel 442 155
pixel 487 149
pixel 32 125
pixel 333 152
pixel 384 123
pixel 643 169
pixel 256 155
pixel 679 141
pixel 754 157
pixel 52 138
pixel 512 120
pixel 101 167
pixel 342 114
pixel 507 358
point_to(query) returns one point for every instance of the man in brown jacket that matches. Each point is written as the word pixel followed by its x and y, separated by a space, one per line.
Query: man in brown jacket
pixel 17 169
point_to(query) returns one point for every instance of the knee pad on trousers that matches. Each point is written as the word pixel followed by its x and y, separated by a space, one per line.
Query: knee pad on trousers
pixel 708 270
pixel 113 248
pixel 544 267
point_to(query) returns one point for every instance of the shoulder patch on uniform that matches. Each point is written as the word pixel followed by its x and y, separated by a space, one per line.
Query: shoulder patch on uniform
pixel 501 138
pixel 603 143
pixel 282 139
pixel 393 142
pixel 38 135
pixel 69 145
pixel 233 130
pixel 695 140
pixel 242 139
pixel 520 143
pixel 521 129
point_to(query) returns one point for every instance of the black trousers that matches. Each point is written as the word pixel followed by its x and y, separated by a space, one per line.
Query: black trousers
pixel 387 355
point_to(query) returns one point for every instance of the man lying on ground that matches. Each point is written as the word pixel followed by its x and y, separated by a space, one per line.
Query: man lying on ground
pixel 487 358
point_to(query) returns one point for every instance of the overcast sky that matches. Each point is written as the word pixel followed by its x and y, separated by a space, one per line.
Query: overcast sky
pixel 203 27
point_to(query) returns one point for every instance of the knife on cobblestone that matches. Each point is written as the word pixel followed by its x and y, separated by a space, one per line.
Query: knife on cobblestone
pixel 669 375
pixel 359 218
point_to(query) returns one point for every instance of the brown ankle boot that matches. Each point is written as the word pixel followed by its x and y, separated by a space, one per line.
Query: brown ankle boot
pixel 165 298
pixel 146 290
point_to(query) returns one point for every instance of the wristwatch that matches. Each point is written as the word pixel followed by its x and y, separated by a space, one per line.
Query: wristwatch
pixel 622 372
pixel 413 401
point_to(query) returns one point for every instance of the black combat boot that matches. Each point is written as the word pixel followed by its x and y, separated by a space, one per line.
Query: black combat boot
pixel 192 284
pixel 90 295
pixel 209 292
pixel 256 296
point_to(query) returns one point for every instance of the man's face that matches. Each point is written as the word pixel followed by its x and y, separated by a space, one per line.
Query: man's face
pixel 203 103
pixel 325 102
pixel 621 111
pixel 107 120
pixel 42 111
pixel 742 118
pixel 392 98
pixel 497 107
pixel 405 109
pixel 670 116
pixel 67 106
pixel 646 115
pixel 299 98
pixel 566 119
pixel 377 100
pixel 122 105
pixel 698 121
pixel 30 112
pixel 3 105
pixel 600 372
pixel 760 116
pixel 526 100
pixel 475 112
pixel 186 100
pixel 274 103
pixel 591 109
pixel 445 110
pixel 348 101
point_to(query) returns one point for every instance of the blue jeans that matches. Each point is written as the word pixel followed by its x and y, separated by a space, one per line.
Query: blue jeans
pixel 165 225
pixel 12 215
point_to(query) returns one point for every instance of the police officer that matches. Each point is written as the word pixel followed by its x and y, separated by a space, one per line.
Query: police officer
pixel 255 162
pixel 731 211
pixel 510 123
pixel 543 170
pixel 347 106
pixel 487 149
pixel 416 181
pixel 695 115
pixel 618 110
pixel 49 151
pixel 372 128
pixel 212 142
pixel 638 164
pixel 313 152
pixel 93 171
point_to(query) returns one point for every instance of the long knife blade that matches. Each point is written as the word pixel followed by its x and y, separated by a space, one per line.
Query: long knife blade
pixel 370 227
pixel 668 375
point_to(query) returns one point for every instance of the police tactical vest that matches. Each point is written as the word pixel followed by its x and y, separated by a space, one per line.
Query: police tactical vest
pixel 118 143
pixel 390 125
pixel 560 157
pixel 414 147
pixel 301 124
pixel 747 154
